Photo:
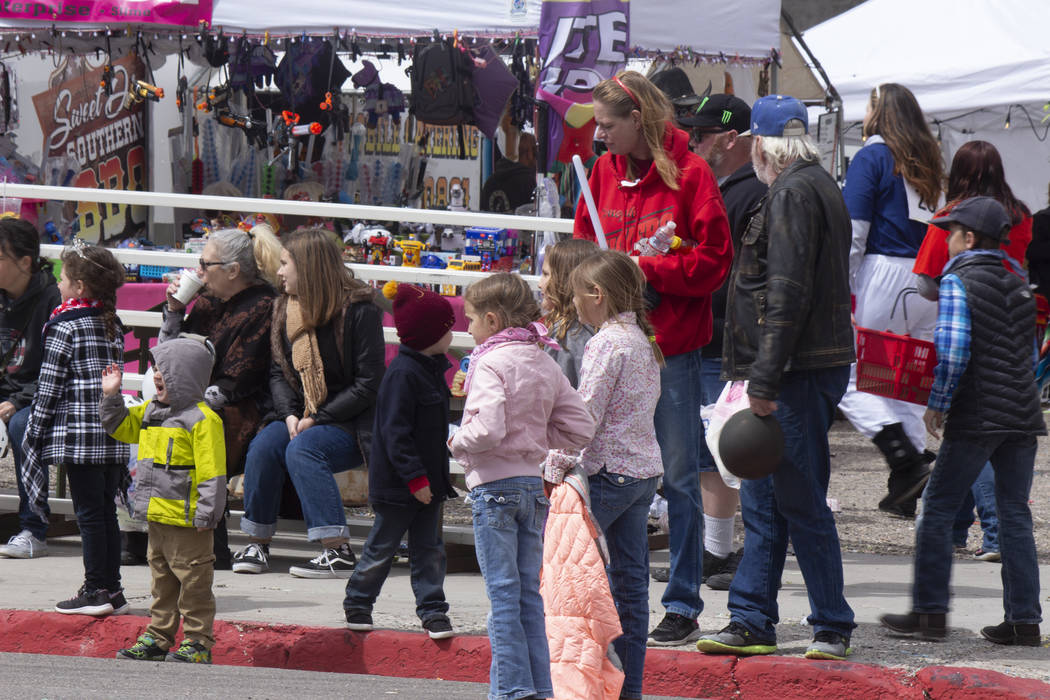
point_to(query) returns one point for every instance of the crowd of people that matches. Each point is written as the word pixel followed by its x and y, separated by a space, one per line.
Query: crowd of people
pixel 582 406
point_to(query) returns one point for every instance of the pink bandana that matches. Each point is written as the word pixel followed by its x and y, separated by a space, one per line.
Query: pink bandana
pixel 534 333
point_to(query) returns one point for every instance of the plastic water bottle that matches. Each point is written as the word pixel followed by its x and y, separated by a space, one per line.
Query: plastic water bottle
pixel 661 242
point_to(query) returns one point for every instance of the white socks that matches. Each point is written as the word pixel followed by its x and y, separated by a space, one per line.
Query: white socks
pixel 718 536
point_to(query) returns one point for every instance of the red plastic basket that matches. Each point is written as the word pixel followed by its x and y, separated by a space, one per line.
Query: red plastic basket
pixel 896 366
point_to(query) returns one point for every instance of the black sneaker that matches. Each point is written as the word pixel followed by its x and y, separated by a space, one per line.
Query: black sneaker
pixel 672 631
pixel 119 602
pixel 358 621
pixel 737 640
pixel 85 602
pixel 253 559
pixel 713 565
pixel 144 649
pixel 722 580
pixel 438 627
pixel 333 563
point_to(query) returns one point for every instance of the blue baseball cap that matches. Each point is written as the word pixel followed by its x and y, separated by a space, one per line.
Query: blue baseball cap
pixel 778 115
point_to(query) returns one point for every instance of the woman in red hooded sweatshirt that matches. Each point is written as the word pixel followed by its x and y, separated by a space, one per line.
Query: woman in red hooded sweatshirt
pixel 649 178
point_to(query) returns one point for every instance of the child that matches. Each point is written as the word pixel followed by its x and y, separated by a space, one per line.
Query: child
pixel 180 490
pixel 81 338
pixel 558 263
pixel 620 385
pixel 518 406
pixel 408 476
pixel 984 382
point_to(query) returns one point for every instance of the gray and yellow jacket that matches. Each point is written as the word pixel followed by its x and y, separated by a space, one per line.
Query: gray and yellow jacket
pixel 181 469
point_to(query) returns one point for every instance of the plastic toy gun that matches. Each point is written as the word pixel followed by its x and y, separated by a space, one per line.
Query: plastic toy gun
pixel 254 130
pixel 339 113
pixel 216 99
pixel 180 93
pixel 142 91
pixel 283 136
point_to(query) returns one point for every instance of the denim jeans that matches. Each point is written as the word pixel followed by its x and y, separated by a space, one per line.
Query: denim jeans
pixel 310 459
pixel 94 490
pixel 711 386
pixel 426 558
pixel 16 430
pixel 509 515
pixel 982 496
pixel 680 434
pixel 792 503
pixel 620 504
pixel 958 464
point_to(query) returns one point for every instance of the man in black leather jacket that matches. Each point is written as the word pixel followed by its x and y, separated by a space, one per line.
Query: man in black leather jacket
pixel 788 332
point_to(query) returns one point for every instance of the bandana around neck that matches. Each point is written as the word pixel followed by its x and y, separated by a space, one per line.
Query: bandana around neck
pixel 75 303
pixel 534 333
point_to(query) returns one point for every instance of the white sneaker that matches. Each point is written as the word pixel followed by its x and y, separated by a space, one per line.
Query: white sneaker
pixel 24 546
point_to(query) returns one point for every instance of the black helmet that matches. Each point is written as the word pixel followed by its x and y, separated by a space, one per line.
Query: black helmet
pixel 751 446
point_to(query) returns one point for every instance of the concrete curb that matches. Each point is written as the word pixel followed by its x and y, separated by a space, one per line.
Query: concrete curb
pixel 414 655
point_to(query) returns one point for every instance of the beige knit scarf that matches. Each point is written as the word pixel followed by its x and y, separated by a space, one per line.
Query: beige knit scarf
pixel 306 357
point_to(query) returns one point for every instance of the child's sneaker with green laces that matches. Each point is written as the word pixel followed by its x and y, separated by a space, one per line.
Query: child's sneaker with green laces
pixel 144 649
pixel 190 652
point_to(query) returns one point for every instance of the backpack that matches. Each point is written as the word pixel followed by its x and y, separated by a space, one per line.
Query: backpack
pixel 443 86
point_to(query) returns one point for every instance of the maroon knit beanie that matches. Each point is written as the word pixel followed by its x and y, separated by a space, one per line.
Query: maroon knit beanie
pixel 421 317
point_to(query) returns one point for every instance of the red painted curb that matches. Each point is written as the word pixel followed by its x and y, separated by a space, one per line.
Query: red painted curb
pixel 414 655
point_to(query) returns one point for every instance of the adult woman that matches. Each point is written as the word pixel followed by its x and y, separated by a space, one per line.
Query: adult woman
pixel 328 361
pixel 649 178
pixel 893 186
pixel 28 293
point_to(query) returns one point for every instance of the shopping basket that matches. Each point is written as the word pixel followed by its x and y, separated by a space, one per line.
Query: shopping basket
pixel 895 366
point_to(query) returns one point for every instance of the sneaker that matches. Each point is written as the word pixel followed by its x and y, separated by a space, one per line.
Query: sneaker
pixel 829 645
pixel 931 627
pixel 24 546
pixel 987 555
pixel 252 559
pixel 119 602
pixel 1025 635
pixel 85 602
pixel 660 573
pixel 333 563
pixel 358 621
pixel 713 565
pixel 736 639
pixel 145 649
pixel 722 580
pixel 904 511
pixel 190 652
pixel 673 630
pixel 438 627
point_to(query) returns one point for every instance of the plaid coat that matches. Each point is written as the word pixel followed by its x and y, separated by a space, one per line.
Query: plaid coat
pixel 64 425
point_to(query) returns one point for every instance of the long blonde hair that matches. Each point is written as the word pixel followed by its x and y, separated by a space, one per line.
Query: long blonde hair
pixel 623 284
pixel 324 282
pixel 656 113
pixel 561 259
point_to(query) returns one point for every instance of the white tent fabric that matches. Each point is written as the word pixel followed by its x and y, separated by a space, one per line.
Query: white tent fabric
pixel 957 56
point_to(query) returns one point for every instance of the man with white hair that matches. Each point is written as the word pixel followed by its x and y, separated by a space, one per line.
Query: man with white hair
pixel 788 333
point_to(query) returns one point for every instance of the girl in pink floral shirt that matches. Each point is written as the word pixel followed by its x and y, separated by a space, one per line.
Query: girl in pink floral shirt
pixel 620 385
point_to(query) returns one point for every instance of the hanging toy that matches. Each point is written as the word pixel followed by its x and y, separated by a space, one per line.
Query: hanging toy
pixel 197 166
pixel 268 186
pixel 357 143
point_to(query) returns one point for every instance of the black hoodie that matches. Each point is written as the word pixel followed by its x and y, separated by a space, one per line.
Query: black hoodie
pixel 22 321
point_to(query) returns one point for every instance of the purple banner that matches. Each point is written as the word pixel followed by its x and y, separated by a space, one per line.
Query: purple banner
pixel 187 13
pixel 583 43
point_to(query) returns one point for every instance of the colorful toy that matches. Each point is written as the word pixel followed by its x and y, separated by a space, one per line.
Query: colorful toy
pixel 377 249
pixel 411 250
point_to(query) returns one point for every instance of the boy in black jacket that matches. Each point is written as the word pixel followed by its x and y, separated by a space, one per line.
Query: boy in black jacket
pixel 408 474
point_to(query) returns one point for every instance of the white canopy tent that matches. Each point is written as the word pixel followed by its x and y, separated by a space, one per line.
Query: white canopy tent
pixel 975 66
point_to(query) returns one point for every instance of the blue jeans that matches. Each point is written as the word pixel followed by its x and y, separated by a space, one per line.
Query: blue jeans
pixel 310 459
pixel 16 430
pixel 791 503
pixel 958 464
pixel 679 433
pixel 509 515
pixel 711 386
pixel 620 504
pixel 981 495
pixel 426 558
pixel 94 491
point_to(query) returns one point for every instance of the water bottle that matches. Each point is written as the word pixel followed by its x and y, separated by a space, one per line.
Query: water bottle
pixel 661 242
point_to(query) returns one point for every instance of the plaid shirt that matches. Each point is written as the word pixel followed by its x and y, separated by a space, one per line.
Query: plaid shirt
pixel 952 338
pixel 64 425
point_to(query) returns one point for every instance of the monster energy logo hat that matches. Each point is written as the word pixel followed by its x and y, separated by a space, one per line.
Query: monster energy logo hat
pixel 718 113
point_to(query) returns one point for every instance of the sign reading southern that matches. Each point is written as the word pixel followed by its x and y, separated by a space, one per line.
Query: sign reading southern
pixel 79 119
pixel 185 12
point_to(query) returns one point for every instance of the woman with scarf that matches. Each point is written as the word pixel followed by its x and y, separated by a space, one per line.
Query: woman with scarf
pixel 328 358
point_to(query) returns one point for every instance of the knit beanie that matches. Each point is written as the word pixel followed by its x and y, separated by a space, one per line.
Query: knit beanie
pixel 421 317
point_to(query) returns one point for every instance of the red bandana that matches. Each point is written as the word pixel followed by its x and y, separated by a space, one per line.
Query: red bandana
pixel 77 303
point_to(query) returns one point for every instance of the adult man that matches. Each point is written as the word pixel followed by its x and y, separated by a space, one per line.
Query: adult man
pixel 788 332
pixel 716 129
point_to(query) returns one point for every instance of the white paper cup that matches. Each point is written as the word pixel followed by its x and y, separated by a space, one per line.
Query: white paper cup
pixel 189 285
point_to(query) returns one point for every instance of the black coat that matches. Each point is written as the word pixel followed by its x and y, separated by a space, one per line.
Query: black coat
pixel 411 429
pixel 22 321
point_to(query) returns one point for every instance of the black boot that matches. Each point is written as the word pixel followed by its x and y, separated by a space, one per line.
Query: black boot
pixel 908 470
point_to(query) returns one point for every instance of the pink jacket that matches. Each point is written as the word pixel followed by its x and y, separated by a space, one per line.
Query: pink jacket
pixel 578 606
pixel 519 406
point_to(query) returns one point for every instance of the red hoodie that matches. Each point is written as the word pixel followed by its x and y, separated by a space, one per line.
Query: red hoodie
pixel 685 278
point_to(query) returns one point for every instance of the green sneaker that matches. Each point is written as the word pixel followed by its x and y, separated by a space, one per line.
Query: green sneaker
pixel 144 649
pixel 190 652
pixel 736 639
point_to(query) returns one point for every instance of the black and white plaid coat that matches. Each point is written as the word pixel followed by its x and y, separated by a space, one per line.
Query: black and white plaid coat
pixel 64 425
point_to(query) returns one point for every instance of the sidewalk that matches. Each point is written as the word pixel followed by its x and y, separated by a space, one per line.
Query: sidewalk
pixel 280 621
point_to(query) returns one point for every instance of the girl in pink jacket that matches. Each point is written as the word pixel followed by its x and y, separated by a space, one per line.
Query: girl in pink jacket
pixel 519 405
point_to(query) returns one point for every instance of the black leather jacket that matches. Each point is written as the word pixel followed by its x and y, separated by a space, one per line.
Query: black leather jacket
pixel 789 300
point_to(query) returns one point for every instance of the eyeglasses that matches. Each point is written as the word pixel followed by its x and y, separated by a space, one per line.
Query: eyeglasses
pixel 205 265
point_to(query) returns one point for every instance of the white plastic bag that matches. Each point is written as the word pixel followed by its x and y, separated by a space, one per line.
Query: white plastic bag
pixel 732 399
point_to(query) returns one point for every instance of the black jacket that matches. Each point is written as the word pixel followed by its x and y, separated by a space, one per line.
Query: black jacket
pixel 353 370
pixel 742 193
pixel 789 301
pixel 22 321
pixel 1038 253
pixel 510 185
pixel 410 431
